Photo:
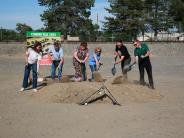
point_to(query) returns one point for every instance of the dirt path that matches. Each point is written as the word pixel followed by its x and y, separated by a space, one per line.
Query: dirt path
pixel 20 117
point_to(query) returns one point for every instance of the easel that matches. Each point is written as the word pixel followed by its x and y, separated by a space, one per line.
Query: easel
pixel 103 91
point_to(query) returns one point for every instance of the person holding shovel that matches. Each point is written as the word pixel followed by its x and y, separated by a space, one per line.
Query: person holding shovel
pixel 80 56
pixel 124 57
pixel 142 54
pixel 56 53
pixel 94 61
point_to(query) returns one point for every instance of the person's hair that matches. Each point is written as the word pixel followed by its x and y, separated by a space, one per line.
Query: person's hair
pixel 57 43
pixel 36 44
pixel 136 42
pixel 120 41
pixel 97 49
pixel 84 44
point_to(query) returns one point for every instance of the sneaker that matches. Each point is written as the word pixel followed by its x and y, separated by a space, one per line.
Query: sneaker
pixel 78 79
pixel 35 90
pixel 22 89
pixel 91 80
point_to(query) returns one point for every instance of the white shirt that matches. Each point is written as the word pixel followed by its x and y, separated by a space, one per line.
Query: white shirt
pixel 33 56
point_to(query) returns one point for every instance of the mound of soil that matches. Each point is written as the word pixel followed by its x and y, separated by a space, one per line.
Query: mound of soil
pixel 76 92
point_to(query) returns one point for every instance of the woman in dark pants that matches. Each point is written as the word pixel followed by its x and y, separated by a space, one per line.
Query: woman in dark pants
pixel 142 54
pixel 124 56
pixel 80 56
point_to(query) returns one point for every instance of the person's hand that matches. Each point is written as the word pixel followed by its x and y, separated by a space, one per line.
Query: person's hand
pixel 52 57
pixel 81 61
pixel 134 63
pixel 26 63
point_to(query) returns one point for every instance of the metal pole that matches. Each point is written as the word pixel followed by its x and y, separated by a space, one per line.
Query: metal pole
pixel 1 33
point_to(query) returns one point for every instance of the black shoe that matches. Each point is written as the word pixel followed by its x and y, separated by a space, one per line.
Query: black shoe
pixel 151 87
pixel 142 83
pixel 91 80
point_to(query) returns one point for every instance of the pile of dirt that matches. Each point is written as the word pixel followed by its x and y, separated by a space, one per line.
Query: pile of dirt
pixel 119 80
pixel 76 92
pixel 98 77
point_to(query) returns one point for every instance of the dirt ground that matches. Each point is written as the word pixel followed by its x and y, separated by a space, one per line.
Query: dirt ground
pixel 53 111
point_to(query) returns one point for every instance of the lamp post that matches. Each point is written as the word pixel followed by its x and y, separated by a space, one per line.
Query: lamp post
pixel 1 33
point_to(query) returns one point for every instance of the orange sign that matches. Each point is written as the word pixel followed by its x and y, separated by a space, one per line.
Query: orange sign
pixel 45 60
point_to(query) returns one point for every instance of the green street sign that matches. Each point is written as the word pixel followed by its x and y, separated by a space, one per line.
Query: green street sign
pixel 43 34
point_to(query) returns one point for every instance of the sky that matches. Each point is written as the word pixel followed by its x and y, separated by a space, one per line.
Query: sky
pixel 28 11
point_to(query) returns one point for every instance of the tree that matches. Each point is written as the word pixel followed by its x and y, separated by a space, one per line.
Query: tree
pixel 130 17
pixel 125 20
pixel 22 29
pixel 9 35
pixel 157 15
pixel 71 17
pixel 177 12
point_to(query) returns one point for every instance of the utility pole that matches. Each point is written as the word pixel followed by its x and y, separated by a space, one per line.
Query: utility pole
pixel 1 33
pixel 97 18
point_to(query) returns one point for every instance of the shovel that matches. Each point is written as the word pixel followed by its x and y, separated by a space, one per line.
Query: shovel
pixel 129 67
pixel 113 70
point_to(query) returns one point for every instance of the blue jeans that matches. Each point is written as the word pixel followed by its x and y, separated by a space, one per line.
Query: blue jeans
pixel 93 68
pixel 53 70
pixel 28 68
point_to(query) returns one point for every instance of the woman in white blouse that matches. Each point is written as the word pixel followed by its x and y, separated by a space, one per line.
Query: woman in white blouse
pixel 31 59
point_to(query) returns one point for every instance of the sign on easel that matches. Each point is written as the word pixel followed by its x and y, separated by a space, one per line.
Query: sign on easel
pixel 47 39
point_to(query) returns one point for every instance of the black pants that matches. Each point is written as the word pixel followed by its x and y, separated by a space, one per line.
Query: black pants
pixel 83 71
pixel 124 63
pixel 145 64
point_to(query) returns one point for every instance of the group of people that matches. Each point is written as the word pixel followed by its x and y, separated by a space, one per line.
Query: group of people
pixel 81 56
pixel 141 57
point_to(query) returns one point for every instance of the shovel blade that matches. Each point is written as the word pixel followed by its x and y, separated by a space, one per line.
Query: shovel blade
pixel 127 68
pixel 113 70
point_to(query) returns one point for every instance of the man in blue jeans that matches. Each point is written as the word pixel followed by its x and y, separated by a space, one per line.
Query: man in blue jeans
pixel 56 52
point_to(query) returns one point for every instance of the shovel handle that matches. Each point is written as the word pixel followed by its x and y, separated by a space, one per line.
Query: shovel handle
pixel 115 58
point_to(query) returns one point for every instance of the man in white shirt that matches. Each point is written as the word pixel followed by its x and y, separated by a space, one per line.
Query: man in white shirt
pixel 56 52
